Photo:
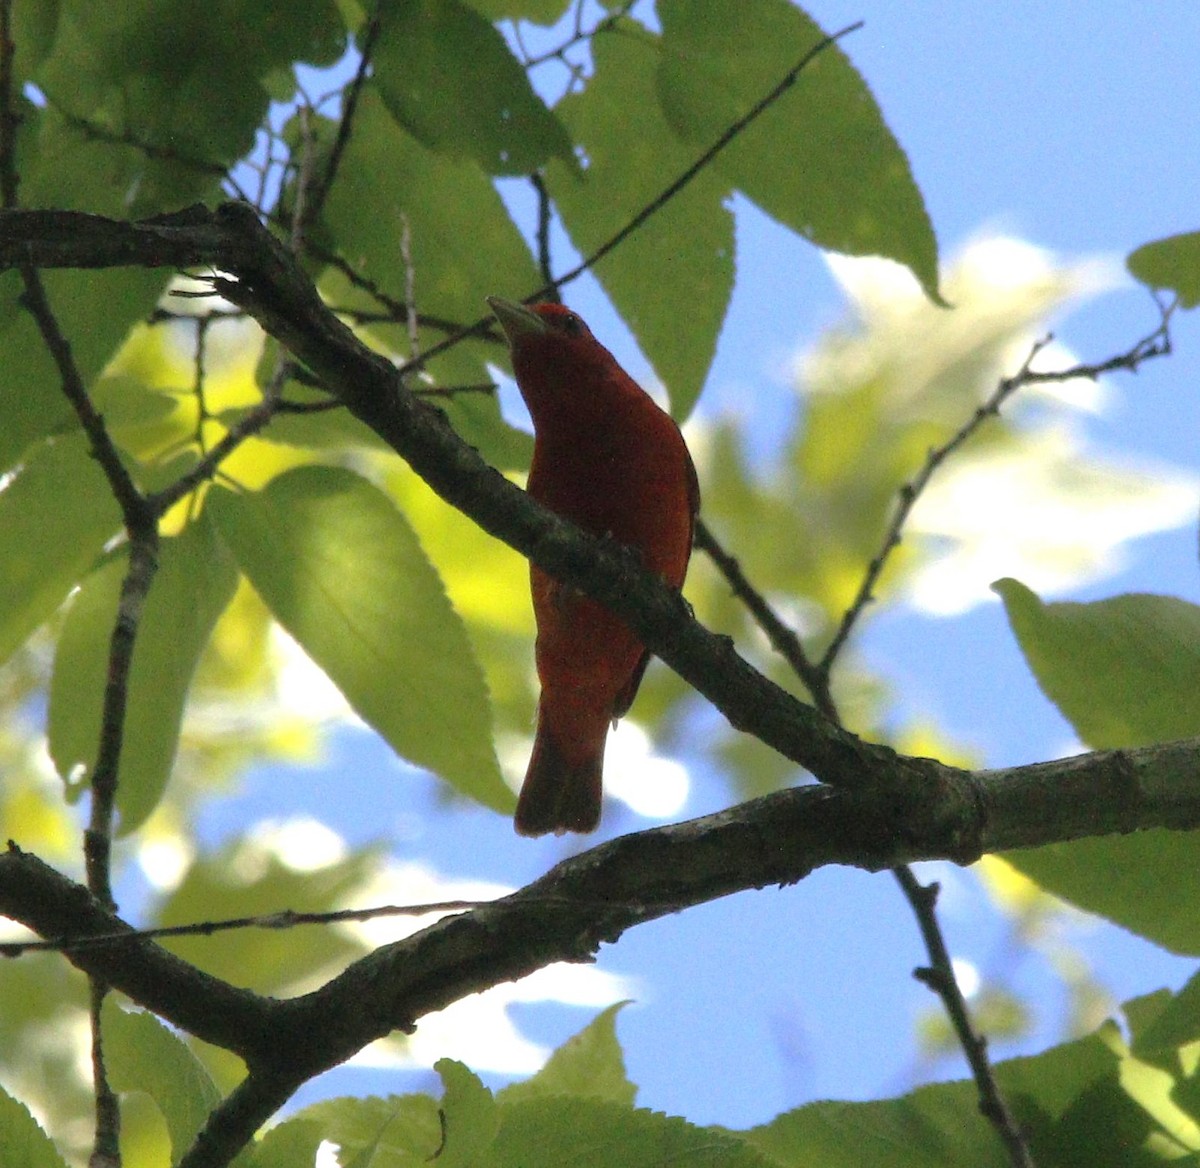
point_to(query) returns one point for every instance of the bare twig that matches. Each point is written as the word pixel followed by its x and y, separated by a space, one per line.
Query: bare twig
pixel 939 977
pixel 411 324
pixel 321 189
pixel 106 1142
pixel 559 52
pixel 284 919
pixel 733 131
pixel 783 639
pixel 1155 344
pixel 143 532
pixel 543 235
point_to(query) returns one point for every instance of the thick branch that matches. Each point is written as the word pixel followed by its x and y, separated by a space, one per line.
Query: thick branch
pixel 594 897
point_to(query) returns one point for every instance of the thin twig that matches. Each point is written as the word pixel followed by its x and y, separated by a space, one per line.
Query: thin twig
pixel 1154 344
pixel 939 977
pixel 250 424
pixel 783 639
pixel 731 132
pixel 410 287
pixel 305 182
pixel 580 34
pixel 106 1132
pixel 321 189
pixel 284 919
pixel 394 311
pixel 106 1140
pixel 483 325
pixel 543 234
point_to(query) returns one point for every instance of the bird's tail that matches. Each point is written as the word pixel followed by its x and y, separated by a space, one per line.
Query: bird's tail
pixel 562 789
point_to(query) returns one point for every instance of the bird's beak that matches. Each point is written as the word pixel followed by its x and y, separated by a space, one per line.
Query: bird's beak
pixel 516 320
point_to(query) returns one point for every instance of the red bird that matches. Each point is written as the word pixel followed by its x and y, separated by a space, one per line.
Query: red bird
pixel 608 459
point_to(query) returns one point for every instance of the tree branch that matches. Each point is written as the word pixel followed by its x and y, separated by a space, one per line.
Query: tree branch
pixel 592 898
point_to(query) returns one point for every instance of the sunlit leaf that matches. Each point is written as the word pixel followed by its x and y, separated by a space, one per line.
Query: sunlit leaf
pixel 821 160
pixel 1124 671
pixel 23 1141
pixel 589 1063
pixel 396 1129
pixel 55 517
pixel 194 583
pixel 671 280
pixel 543 1132
pixel 342 571
pixel 940 1126
pixel 141 1054
pixel 471 1116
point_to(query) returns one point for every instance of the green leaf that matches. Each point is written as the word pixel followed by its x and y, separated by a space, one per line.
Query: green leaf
pixel 1163 1022
pixel 374 1132
pixel 247 879
pixel 62 168
pixel 821 160
pixel 940 1126
pixel 671 280
pixel 463 241
pixel 1123 671
pixel 34 23
pixel 147 72
pixel 463 246
pixel 471 1119
pixel 195 581
pixel 94 311
pixel 1148 882
pixel 1172 263
pixel 292 1142
pixel 589 1064
pixel 340 568
pixel 143 1055
pixel 55 517
pixel 23 1141
pixel 595 1133
pixel 447 76
pixel 545 12
pixel 937 1127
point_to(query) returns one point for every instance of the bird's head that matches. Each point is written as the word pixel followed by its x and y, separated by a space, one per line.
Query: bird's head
pixel 538 325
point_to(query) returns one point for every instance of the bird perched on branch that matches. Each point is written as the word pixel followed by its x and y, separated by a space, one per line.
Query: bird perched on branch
pixel 606 457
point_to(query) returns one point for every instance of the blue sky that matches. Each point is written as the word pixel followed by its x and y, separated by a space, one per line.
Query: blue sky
pixel 1072 125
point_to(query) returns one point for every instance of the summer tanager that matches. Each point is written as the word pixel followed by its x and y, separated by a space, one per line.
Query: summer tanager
pixel 608 459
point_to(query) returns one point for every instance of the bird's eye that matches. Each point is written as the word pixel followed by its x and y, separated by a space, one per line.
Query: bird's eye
pixel 572 325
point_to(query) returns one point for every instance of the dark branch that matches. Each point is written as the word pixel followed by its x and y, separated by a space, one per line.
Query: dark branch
pixel 939 977
pixel 592 898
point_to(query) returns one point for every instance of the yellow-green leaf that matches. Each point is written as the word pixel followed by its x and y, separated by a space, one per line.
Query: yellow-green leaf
pixel 671 280
pixel 821 159
pixel 195 581
pixel 1124 671
pixel 341 569
pixel 55 517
